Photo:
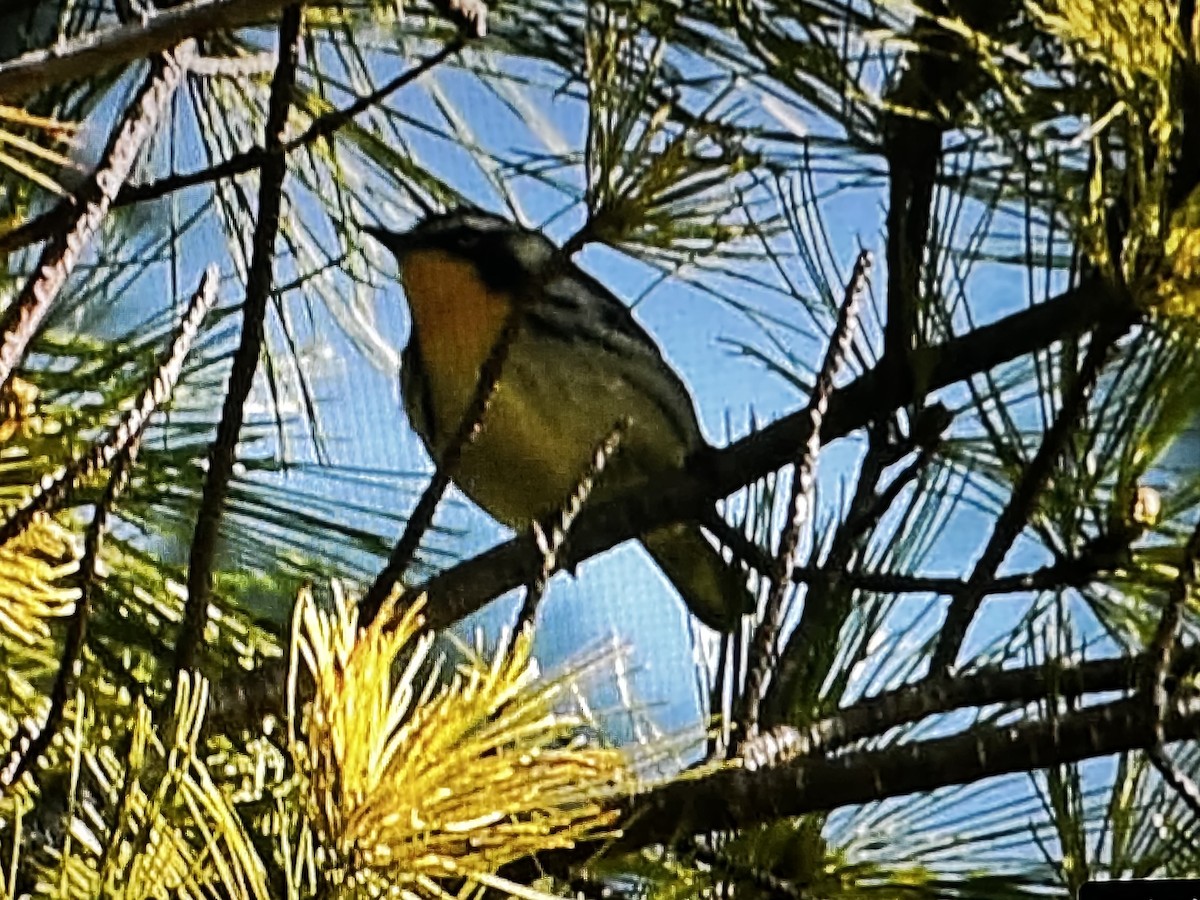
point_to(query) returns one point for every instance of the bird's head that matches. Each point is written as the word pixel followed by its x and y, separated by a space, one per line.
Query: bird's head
pixel 504 255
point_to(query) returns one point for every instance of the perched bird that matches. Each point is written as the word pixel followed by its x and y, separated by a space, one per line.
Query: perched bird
pixel 577 365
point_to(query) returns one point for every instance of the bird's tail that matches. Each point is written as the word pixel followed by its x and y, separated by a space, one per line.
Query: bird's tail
pixel 714 590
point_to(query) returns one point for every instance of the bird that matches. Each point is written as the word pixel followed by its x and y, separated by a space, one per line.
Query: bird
pixel 577 364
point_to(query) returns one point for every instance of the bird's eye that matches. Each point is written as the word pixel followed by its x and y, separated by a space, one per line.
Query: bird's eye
pixel 468 241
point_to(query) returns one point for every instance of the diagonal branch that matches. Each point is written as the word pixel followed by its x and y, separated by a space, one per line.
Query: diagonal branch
pixel 111 48
pixel 51 493
pixel 1015 515
pixel 222 454
pixel 418 523
pixel 464 589
pixel 24 316
pixel 322 126
pixel 550 544
pixel 766 636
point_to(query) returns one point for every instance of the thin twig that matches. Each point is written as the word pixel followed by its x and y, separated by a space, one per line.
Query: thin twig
pixel 421 518
pixel 875 716
pixel 1075 572
pixel 24 315
pixel 805 658
pixel 1013 517
pixel 550 544
pixel 236 67
pixel 1162 650
pixel 53 490
pixel 321 127
pixel 27 748
pixel 222 454
pixel 767 633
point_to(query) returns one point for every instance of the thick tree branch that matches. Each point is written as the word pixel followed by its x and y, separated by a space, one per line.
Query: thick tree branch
pixel 464 589
pixel 110 48
pixel 24 316
pixel 738 798
pixel 223 453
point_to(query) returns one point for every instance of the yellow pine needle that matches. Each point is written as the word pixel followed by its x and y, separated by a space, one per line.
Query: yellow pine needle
pixel 55 127
pixel 56 130
pixel 33 566
pixel 35 149
pixel 409 786
pixel 174 833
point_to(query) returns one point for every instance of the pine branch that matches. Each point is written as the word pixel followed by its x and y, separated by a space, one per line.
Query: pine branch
pixel 23 316
pixel 222 454
pixel 52 492
pixel 464 589
pixel 110 48
pixel 1016 512
pixel 766 636
pixel 735 799
pixel 323 126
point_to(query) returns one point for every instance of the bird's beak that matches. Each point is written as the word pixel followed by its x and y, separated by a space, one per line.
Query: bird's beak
pixel 400 243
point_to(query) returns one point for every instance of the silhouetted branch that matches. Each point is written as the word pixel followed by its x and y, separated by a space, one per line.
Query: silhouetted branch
pixel 422 517
pixel 109 48
pixel 738 798
pixel 222 453
pixel 1015 515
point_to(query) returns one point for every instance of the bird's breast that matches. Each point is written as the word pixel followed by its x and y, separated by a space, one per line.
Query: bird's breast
pixel 456 318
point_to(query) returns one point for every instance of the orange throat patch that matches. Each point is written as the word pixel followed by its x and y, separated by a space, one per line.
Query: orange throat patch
pixel 455 316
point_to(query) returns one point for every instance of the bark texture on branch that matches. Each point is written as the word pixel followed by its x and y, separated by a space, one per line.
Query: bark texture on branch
pixel 739 798
pixel 24 316
pixel 110 48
